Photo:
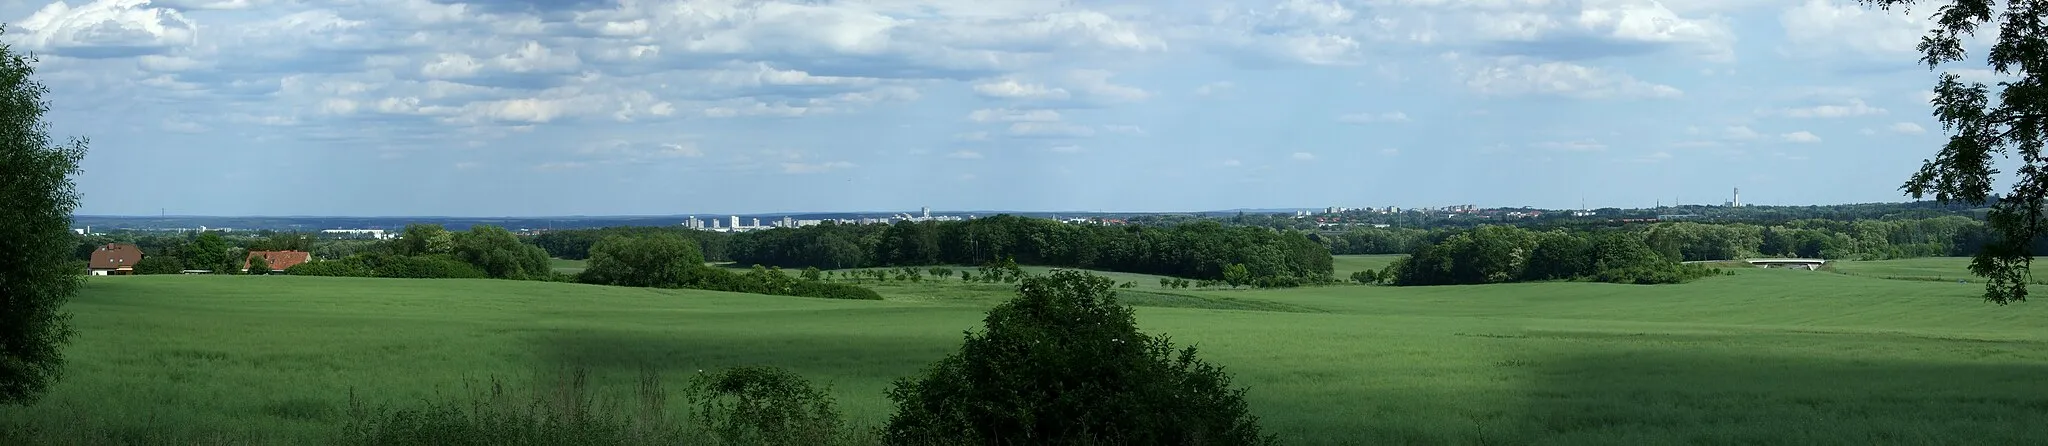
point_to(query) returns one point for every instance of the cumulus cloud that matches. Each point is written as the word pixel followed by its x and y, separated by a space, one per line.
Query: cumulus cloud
pixel 1823 28
pixel 105 29
pixel 1050 130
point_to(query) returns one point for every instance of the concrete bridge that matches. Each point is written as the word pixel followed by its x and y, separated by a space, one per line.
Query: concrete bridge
pixel 1807 264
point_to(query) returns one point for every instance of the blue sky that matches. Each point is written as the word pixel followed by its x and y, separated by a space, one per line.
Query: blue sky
pixel 532 107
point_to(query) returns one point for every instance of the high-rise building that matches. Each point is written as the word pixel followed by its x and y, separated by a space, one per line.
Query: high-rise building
pixel 735 221
pixel 927 212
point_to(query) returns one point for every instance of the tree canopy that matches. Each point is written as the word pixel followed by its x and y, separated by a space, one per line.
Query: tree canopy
pixel 1988 122
pixel 36 271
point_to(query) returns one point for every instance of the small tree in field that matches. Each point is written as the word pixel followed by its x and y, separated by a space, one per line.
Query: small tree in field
pixel 812 274
pixel 1065 364
pixel 1237 275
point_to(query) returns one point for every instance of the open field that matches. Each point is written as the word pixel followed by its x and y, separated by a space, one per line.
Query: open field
pixel 568 266
pixel 1771 356
pixel 1345 265
pixel 1947 269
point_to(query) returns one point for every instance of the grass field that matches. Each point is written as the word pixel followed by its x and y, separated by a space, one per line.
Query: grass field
pixel 1345 265
pixel 1947 269
pixel 568 266
pixel 1763 356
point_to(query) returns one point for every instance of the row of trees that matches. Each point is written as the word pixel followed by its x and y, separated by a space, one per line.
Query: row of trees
pixel 426 251
pixel 660 260
pixel 1812 238
pixel 1200 250
pixel 1502 254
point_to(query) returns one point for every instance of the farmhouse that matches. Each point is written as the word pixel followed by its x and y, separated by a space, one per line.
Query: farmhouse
pixel 115 259
pixel 278 260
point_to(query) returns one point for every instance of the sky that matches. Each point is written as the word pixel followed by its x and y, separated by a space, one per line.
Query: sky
pixel 660 107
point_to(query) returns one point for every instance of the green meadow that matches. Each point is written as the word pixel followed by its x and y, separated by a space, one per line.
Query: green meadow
pixel 1761 356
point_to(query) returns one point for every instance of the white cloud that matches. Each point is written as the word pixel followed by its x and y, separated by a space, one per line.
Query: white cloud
pixel 1050 130
pixel 1513 77
pixel 965 155
pixel 1739 133
pixel 1014 89
pixel 105 29
pixel 1801 137
pixel 1367 118
pixel 1009 115
pixel 1096 84
pixel 1232 163
pixel 1906 128
pixel 1302 156
pixel 1853 108
pixel 1066 149
pixel 1826 28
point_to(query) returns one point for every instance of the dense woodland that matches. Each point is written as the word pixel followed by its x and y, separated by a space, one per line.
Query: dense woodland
pixel 1200 250
pixel 1501 254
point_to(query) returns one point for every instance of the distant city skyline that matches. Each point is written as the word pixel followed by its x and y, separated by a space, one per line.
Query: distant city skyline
pixel 389 107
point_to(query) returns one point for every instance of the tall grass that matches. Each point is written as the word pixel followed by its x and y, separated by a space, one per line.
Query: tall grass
pixel 743 406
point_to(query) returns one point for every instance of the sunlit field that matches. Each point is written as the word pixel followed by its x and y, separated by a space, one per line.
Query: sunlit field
pixel 1763 356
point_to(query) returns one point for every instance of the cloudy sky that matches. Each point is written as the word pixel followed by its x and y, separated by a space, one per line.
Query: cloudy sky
pixel 561 107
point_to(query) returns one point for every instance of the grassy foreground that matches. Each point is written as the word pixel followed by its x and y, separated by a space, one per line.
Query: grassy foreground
pixel 1764 356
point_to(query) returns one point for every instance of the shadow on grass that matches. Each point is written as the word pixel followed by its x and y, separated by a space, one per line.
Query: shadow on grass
pixel 1665 397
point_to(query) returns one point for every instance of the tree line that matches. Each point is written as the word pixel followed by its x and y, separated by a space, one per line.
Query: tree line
pixel 1876 239
pixel 1197 250
pixel 1503 254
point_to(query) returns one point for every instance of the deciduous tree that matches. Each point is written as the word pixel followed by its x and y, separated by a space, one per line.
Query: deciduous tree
pixel 1987 122
pixel 37 197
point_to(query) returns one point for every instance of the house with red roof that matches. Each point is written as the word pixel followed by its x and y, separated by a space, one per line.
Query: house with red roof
pixel 114 259
pixel 278 260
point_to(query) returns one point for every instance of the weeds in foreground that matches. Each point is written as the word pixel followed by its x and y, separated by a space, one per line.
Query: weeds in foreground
pixel 741 406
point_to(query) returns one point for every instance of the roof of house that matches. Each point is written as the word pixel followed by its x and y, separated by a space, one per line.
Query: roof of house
pixel 279 260
pixel 115 256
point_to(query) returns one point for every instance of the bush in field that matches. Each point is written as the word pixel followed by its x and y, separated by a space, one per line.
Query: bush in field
pixel 1062 364
pixel 763 406
pixel 499 254
pixel 159 265
pixel 657 260
pixel 346 267
pixel 437 266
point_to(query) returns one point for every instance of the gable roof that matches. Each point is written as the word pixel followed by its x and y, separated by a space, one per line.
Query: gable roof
pixel 278 260
pixel 115 256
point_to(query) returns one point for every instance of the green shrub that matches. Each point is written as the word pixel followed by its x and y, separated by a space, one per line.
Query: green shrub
pixel 655 260
pixel 1062 364
pixel 346 267
pixel 159 265
pixel 435 266
pixel 764 406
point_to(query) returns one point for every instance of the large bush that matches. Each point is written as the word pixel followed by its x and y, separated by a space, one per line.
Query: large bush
pixel 500 254
pixel 159 265
pixel 655 260
pixel 346 267
pixel 1064 364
